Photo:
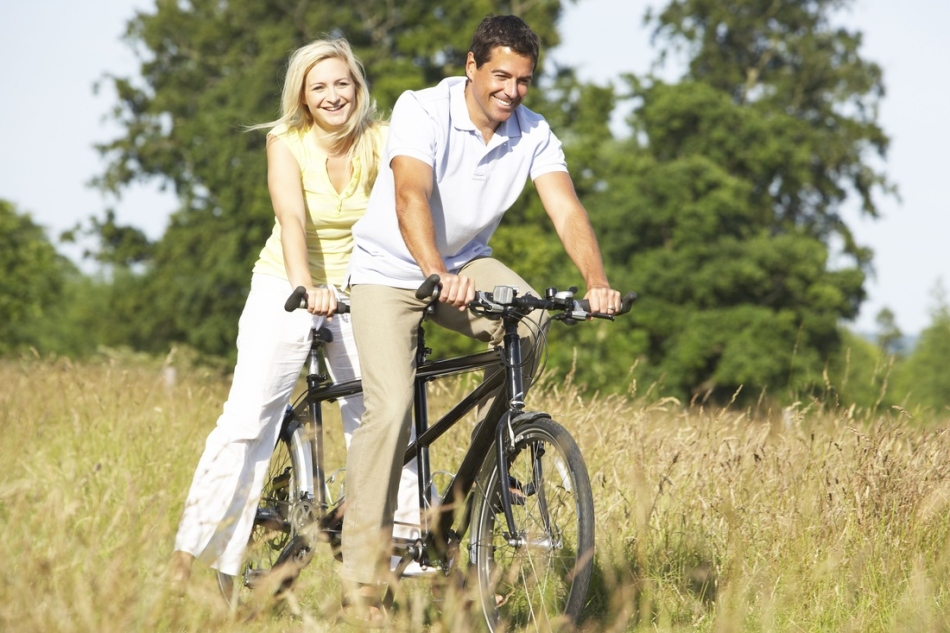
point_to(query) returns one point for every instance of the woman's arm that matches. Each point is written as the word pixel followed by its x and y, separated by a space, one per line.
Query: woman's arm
pixel 286 193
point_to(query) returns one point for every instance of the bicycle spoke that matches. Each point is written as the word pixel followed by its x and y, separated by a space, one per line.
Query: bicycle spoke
pixel 541 573
pixel 284 508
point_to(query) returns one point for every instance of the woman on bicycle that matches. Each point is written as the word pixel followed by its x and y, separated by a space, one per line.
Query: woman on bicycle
pixel 322 160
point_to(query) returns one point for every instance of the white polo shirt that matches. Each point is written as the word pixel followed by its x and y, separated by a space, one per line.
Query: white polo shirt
pixel 474 182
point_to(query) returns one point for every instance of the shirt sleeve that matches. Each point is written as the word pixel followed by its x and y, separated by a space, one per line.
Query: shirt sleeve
pixel 291 140
pixel 411 131
pixel 548 155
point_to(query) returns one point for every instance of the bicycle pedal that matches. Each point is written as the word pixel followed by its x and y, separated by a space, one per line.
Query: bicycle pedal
pixel 332 520
pixel 271 519
pixel 406 567
pixel 519 495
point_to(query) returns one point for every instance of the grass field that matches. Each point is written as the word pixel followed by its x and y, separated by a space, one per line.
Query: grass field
pixel 806 519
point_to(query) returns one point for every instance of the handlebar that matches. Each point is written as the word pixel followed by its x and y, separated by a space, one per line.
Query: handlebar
pixel 429 288
pixel 298 300
pixel 505 298
pixel 626 302
pixel 501 300
pixel 571 310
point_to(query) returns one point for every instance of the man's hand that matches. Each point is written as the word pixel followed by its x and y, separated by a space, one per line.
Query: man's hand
pixel 603 299
pixel 457 290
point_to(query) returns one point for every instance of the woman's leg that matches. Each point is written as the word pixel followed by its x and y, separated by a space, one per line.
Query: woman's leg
pixel 272 346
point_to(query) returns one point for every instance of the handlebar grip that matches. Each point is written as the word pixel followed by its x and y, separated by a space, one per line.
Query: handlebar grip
pixel 296 300
pixel 429 288
pixel 627 302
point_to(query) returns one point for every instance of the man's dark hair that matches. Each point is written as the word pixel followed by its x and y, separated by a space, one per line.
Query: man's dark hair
pixel 504 30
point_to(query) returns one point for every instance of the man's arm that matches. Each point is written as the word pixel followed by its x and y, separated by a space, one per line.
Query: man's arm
pixel 413 180
pixel 556 190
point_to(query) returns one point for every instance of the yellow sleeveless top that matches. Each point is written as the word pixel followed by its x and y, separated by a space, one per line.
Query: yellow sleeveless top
pixel 330 215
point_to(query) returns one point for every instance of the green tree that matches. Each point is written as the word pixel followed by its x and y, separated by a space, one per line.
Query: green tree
pixel 31 285
pixel 863 374
pixel 122 246
pixel 924 375
pixel 208 68
pixel 888 335
pixel 722 207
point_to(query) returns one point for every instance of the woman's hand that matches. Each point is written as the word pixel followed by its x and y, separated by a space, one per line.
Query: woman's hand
pixel 321 301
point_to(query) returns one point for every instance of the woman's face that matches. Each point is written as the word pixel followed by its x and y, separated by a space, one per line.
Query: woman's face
pixel 329 93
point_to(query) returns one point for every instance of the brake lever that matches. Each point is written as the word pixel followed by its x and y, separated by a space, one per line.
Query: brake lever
pixel 568 319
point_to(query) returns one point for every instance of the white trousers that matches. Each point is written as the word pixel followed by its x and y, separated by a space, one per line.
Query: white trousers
pixel 272 346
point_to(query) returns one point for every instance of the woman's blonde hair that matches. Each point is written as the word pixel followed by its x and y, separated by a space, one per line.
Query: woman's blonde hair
pixel 357 137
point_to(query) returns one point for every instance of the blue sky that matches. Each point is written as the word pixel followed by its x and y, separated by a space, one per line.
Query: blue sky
pixel 53 51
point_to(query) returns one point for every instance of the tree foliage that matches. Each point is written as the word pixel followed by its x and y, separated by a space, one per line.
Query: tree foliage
pixel 32 282
pixel 208 69
pixel 889 335
pixel 924 376
pixel 723 207
pixel 812 97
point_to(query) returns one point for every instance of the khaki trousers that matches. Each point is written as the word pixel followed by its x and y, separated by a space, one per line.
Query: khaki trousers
pixel 384 322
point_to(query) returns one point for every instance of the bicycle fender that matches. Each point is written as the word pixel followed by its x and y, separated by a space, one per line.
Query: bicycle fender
pixel 288 425
pixel 529 416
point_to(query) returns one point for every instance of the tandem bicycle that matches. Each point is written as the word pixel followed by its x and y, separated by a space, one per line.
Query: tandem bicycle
pixel 517 517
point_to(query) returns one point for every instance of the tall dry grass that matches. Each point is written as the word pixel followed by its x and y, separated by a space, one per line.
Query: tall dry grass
pixel 807 519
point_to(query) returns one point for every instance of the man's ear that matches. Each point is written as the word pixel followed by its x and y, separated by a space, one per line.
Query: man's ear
pixel 470 65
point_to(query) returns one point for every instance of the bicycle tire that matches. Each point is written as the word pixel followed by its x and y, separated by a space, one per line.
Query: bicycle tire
pixel 542 583
pixel 285 508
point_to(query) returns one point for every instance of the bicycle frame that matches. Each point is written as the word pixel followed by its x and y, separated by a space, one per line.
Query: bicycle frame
pixel 507 380
pixel 545 558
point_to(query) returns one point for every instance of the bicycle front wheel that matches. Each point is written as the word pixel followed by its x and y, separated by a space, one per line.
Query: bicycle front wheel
pixel 539 575
pixel 284 509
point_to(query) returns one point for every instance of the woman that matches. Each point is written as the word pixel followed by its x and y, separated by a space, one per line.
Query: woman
pixel 322 158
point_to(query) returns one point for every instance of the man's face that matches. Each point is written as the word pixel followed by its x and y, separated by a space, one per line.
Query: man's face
pixel 498 87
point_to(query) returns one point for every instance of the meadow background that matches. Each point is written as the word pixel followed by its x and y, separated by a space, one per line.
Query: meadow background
pixel 757 464
pixel 806 517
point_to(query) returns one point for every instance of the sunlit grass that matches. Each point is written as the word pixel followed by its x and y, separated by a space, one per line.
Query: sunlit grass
pixel 806 519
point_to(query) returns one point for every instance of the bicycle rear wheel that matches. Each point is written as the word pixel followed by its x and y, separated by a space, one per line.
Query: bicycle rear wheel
pixel 284 510
pixel 540 575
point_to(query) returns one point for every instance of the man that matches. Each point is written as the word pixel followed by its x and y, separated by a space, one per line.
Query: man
pixel 457 158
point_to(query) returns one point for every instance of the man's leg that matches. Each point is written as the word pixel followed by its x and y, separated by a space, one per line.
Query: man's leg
pixel 488 273
pixel 384 324
pixel 343 364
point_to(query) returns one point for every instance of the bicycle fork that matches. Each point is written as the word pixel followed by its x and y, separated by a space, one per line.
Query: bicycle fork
pixel 505 445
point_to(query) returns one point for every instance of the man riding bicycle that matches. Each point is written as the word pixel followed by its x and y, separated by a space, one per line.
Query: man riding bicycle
pixel 457 158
